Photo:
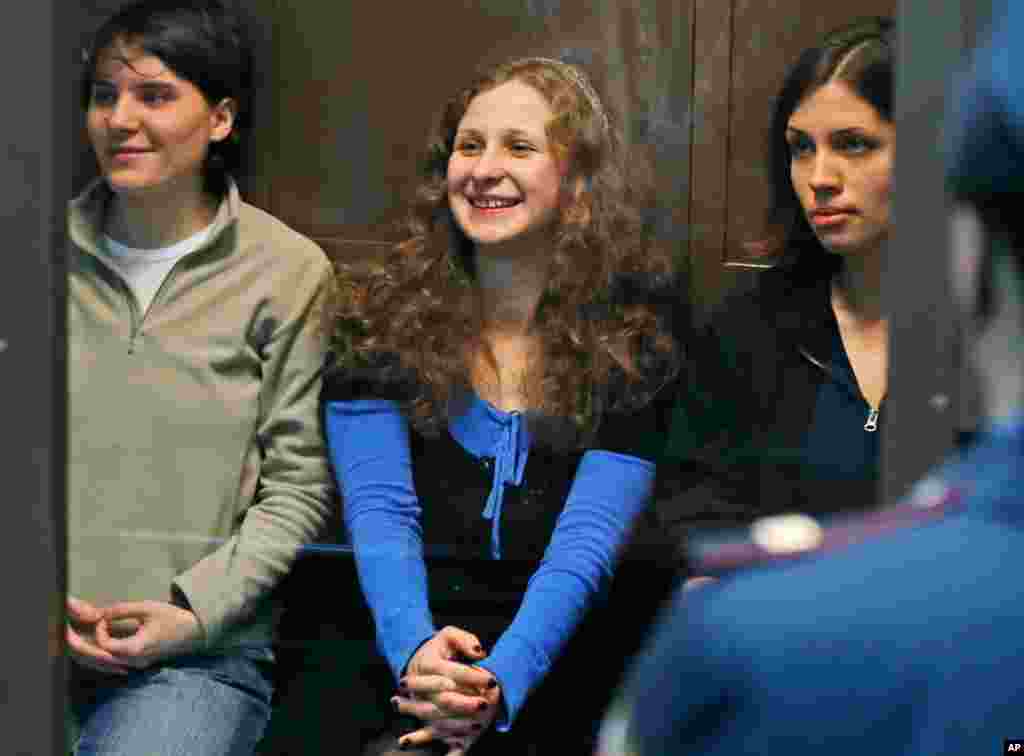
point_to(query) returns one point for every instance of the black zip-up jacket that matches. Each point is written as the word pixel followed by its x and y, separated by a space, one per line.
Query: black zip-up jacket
pixel 745 404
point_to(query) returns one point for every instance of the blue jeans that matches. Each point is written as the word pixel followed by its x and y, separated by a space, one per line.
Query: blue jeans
pixel 193 706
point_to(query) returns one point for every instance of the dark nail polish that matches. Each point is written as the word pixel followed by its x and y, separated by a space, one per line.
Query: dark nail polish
pixel 477 727
pixel 403 684
pixel 492 684
pixel 482 706
pixel 403 745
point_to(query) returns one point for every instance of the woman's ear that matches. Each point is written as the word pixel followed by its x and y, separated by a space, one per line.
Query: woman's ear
pixel 222 119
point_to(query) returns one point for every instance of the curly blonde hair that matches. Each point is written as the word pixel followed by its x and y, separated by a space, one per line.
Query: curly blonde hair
pixel 412 318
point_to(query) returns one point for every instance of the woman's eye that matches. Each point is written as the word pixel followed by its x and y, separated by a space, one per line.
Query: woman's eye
pixel 521 147
pixel 800 146
pixel 155 96
pixel 103 96
pixel 467 147
pixel 854 143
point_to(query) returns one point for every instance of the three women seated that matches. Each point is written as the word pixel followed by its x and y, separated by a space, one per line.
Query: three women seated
pixel 497 399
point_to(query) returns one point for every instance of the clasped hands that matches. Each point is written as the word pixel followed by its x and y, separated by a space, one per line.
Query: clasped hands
pixel 127 636
pixel 456 701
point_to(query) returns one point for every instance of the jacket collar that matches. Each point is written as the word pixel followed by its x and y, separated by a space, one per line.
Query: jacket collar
pixel 87 210
pixel 804 313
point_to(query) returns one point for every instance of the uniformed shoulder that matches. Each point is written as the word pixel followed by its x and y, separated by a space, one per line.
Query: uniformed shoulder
pixel 787 537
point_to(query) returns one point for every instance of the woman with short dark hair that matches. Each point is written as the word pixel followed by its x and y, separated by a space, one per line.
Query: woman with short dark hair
pixel 196 466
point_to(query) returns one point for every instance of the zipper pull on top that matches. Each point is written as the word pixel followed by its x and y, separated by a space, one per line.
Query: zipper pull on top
pixel 871 425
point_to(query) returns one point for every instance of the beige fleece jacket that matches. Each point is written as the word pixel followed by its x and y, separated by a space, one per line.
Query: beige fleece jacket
pixel 196 459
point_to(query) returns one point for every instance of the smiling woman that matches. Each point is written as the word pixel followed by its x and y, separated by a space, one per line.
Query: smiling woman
pixel 504 179
pixel 495 415
pixel 150 128
pixel 196 465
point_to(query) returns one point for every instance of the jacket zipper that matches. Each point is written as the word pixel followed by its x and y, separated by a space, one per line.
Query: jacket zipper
pixel 871 422
pixel 156 297
pixel 135 321
pixel 137 318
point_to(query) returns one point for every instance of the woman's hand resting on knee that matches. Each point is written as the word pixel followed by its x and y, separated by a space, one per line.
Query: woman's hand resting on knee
pixel 130 635
pixel 80 638
pixel 456 701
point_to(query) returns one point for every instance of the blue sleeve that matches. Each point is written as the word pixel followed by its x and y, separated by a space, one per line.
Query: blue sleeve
pixel 608 492
pixel 368 440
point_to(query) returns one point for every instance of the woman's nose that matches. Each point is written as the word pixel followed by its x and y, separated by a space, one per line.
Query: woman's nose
pixel 488 166
pixel 825 174
pixel 123 115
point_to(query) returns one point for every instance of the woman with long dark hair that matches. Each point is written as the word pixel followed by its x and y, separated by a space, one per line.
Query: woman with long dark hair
pixel 786 393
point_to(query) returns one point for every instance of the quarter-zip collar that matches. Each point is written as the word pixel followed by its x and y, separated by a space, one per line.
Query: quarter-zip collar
pixel 86 214
pixel 85 228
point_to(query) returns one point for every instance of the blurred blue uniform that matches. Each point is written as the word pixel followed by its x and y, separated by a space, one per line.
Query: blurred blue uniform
pixel 910 641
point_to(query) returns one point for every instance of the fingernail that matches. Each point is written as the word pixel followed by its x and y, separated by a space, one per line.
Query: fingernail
pixel 403 684
pixel 479 649
pixel 492 684
pixel 482 706
pixel 477 726
pixel 403 745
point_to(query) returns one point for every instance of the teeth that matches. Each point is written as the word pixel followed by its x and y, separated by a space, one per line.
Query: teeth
pixel 493 203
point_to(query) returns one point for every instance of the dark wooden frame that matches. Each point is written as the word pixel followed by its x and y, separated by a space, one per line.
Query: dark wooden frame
pixel 35 184
pixel 930 391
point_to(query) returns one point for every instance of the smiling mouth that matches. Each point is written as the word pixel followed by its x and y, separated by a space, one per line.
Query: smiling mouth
pixel 492 203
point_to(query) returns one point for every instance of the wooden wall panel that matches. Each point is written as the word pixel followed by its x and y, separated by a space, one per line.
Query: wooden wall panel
pixel 709 157
pixel 356 93
pixel 647 51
